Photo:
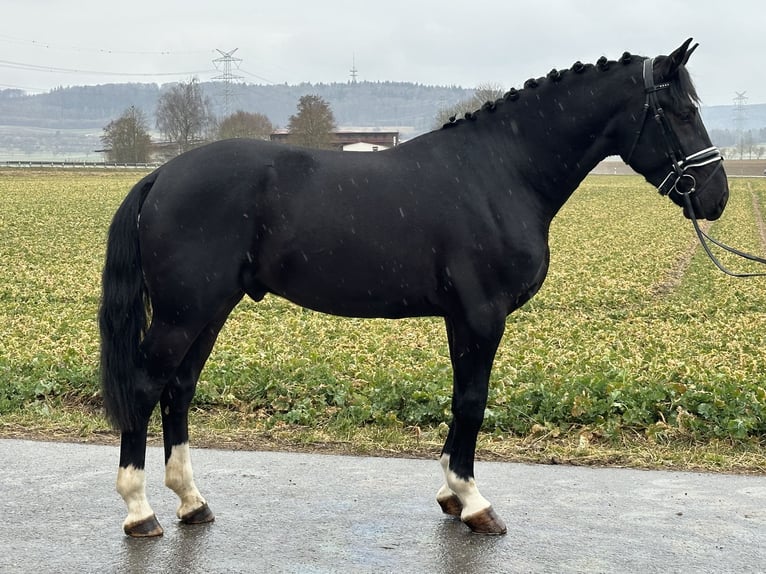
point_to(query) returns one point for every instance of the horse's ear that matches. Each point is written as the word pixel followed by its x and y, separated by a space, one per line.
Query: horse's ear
pixel 689 52
pixel 677 59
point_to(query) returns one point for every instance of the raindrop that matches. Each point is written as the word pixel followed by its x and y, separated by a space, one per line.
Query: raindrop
pixel 401 212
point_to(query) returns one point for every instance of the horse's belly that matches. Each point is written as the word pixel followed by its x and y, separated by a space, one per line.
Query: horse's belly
pixel 353 286
pixel 367 304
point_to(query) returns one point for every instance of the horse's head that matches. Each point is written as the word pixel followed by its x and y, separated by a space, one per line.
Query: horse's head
pixel 669 144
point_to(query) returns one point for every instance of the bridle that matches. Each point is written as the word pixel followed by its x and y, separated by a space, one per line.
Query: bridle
pixel 679 161
pixel 678 180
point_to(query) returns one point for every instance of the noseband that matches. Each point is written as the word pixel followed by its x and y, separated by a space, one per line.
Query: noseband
pixel 678 181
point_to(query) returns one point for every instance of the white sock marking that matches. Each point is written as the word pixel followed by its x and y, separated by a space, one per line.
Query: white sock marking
pixel 444 492
pixel 131 484
pixel 466 491
pixel 179 477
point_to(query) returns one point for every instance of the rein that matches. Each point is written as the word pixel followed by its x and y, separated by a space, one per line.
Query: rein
pixel 680 182
pixel 704 236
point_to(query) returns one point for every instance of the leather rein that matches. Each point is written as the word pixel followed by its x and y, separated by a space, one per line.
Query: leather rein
pixel 678 180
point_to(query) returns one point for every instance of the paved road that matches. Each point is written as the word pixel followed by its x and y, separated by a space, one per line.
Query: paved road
pixel 296 513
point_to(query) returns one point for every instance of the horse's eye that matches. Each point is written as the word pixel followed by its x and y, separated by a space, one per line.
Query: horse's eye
pixel 688 114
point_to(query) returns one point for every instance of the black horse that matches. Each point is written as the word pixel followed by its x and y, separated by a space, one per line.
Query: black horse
pixel 452 224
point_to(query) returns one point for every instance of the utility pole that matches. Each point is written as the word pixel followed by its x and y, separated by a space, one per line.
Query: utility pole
pixel 225 64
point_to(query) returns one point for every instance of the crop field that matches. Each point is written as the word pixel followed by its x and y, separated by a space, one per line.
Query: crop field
pixel 634 332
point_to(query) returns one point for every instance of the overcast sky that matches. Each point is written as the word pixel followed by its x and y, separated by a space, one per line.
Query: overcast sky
pixel 49 43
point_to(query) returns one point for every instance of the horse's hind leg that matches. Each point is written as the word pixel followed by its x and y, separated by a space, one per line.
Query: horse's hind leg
pixel 131 478
pixel 163 351
pixel 174 403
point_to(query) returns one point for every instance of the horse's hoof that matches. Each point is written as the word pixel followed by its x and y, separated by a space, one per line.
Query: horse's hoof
pixel 146 528
pixel 200 516
pixel 486 522
pixel 451 505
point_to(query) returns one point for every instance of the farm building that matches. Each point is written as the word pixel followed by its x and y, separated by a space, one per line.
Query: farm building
pixel 353 139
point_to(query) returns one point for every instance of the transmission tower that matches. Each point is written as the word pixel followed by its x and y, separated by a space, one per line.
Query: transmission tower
pixel 225 64
pixel 740 116
pixel 354 71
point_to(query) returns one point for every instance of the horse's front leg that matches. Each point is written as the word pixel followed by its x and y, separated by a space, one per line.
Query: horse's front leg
pixel 472 354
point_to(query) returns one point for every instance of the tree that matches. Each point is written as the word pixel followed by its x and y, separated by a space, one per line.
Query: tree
pixel 486 92
pixel 314 123
pixel 183 115
pixel 245 125
pixel 127 138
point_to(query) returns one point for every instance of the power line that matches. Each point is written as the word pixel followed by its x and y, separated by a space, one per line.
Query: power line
pixel 56 70
pixel 83 49
pixel 22 88
pixel 257 76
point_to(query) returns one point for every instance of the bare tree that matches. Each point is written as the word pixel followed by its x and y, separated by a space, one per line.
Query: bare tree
pixel 183 114
pixel 245 125
pixel 127 138
pixel 314 123
pixel 485 92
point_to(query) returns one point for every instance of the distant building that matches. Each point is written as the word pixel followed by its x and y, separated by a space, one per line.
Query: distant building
pixel 352 139
pixel 364 146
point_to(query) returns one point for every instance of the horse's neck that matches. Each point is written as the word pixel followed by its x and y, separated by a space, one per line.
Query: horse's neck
pixel 556 134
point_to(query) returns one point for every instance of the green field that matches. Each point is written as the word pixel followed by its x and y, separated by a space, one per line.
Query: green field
pixel 634 335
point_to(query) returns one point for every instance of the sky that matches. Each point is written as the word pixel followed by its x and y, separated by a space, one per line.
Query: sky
pixel 48 43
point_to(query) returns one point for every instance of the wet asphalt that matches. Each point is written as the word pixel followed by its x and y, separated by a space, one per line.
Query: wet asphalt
pixel 300 513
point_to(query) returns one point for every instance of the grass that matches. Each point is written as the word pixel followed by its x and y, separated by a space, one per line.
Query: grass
pixel 637 351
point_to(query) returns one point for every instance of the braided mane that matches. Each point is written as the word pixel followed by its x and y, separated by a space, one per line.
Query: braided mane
pixel 603 65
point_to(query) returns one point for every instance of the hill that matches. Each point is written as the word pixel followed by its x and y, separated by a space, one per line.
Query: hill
pixel 69 121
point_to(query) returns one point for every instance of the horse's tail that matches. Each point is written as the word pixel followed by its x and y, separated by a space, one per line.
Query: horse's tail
pixel 124 310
